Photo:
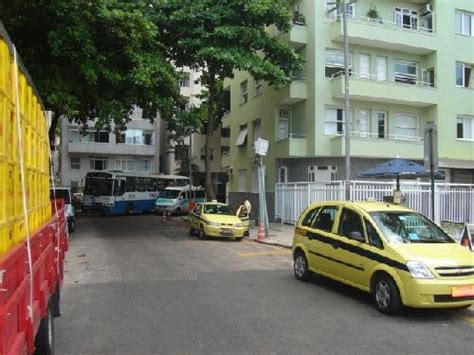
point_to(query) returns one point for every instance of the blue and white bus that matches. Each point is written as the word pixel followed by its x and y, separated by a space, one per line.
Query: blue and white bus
pixel 117 192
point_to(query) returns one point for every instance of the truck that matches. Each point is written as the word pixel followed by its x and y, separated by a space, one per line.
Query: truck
pixel 33 229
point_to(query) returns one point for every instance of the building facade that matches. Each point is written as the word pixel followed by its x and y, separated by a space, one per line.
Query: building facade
pixel 136 149
pixel 410 63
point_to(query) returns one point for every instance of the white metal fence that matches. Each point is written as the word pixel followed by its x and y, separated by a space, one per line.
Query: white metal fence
pixel 453 202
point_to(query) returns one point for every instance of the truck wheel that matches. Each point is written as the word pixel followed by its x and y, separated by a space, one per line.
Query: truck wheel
pixel 44 340
pixel 71 225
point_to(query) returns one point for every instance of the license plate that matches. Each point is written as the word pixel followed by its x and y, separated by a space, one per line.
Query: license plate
pixel 227 231
pixel 463 291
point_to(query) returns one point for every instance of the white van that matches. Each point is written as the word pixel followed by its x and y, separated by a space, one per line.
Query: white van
pixel 176 199
pixel 64 193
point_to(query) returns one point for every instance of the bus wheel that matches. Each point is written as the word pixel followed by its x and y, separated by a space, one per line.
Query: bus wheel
pixel 44 340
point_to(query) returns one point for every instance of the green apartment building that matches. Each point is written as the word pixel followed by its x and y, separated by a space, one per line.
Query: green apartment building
pixel 411 63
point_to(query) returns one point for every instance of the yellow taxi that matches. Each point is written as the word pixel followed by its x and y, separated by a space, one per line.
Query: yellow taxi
pixel 395 253
pixel 215 219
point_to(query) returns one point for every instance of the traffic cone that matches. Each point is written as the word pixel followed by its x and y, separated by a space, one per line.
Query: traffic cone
pixel 261 232
pixel 465 242
pixel 163 218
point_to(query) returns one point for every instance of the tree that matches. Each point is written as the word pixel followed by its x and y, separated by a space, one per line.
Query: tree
pixel 220 36
pixel 93 59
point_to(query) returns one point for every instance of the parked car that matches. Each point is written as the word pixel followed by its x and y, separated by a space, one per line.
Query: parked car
pixel 395 253
pixel 215 219
pixel 176 200
pixel 64 193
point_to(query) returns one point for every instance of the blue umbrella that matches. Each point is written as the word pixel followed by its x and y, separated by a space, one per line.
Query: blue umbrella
pixel 398 168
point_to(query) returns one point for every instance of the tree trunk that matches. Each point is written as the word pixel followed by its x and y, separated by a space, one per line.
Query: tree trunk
pixel 52 130
pixel 209 133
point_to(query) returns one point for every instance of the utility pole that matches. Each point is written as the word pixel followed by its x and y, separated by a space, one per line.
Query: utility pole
pixel 190 162
pixel 341 7
pixel 347 114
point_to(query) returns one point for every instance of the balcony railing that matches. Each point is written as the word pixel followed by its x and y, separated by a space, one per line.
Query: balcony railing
pixel 397 79
pixel 384 23
pixel 376 135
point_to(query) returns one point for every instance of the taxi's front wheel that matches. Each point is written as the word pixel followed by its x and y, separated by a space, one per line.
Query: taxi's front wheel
pixel 386 295
pixel 300 267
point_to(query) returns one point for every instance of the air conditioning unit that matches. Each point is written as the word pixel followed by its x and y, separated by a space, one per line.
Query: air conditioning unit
pixel 426 9
pixel 230 170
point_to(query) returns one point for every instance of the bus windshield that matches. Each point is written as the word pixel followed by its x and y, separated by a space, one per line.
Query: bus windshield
pixel 98 186
pixel 172 194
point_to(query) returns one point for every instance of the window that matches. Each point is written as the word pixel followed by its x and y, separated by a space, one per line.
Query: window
pixel 406 126
pixel 242 138
pixel 124 164
pixel 325 218
pixel 244 94
pixel 310 217
pixel 364 66
pixel 99 163
pixel 406 18
pixel 75 163
pixel 143 165
pixel 184 80
pixel 119 187
pixel 381 124
pixel 151 184
pixel 465 127
pixel 382 68
pixel 334 63
pixel 130 184
pixel 242 180
pixel 428 77
pixel 364 120
pixel 374 238
pixel 464 23
pixel 283 124
pixel 225 132
pixel 257 129
pixel 203 154
pixel 89 136
pixel 120 138
pixel 350 222
pixel 257 89
pixel 463 75
pixel 141 184
pixel 333 121
pixel 330 5
pixel 225 150
pixel 283 174
pixel 312 173
pixel 405 72
pixel 138 137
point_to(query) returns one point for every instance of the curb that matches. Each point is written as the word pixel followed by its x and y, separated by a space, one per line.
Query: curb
pixel 271 243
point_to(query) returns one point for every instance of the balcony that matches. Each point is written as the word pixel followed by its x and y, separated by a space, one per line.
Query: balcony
pixel 295 92
pixel 419 94
pixel 365 144
pixel 384 34
pixel 111 148
pixel 294 146
pixel 297 37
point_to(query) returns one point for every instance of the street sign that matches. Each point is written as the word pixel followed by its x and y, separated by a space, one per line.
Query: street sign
pixel 261 146
pixel 430 155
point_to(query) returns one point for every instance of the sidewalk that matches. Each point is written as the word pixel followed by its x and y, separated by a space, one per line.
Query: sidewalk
pixel 279 234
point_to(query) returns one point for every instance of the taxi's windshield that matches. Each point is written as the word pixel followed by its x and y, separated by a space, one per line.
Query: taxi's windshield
pixel 171 194
pixel 409 227
pixel 218 209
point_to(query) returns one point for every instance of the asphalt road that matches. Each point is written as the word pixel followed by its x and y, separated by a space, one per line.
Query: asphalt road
pixel 136 286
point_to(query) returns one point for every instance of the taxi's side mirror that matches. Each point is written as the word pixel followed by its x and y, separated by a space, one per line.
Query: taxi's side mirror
pixel 356 236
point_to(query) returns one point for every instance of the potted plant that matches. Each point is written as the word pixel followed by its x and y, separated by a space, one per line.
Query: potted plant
pixel 373 14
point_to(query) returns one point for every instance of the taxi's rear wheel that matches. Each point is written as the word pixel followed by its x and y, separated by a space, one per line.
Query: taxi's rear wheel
pixel 300 267
pixel 386 295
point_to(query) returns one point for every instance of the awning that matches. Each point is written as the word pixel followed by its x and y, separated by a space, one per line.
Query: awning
pixel 241 137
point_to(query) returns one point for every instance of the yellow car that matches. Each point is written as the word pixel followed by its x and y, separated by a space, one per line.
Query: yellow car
pixel 214 219
pixel 395 253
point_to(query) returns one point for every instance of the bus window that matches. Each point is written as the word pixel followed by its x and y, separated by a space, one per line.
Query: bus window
pixel 119 187
pixel 141 184
pixel 151 184
pixel 160 185
pixel 180 182
pixel 130 185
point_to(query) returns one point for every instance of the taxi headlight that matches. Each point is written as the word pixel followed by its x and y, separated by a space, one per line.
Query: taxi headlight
pixel 239 224
pixel 215 224
pixel 419 270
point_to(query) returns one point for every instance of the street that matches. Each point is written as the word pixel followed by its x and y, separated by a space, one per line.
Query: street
pixel 134 285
